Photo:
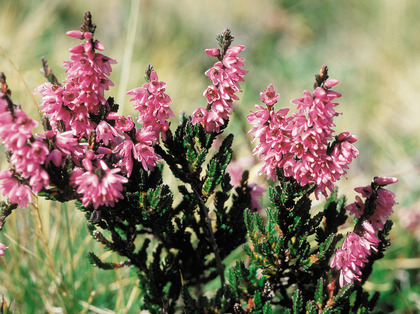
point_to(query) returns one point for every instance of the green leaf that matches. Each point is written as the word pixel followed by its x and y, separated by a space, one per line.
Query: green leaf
pixel 319 293
pixel 267 308
pixel 258 300
pixel 297 302
pixel 190 306
pixel 95 260
pixel 343 295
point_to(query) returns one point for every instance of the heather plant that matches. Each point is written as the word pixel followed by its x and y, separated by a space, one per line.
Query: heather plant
pixel 295 257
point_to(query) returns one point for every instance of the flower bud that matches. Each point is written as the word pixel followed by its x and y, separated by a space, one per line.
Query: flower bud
pixel 77 49
pixel 330 83
pixel 213 52
pixel 75 34
pixel 98 45
pixel 381 181
pixel 87 35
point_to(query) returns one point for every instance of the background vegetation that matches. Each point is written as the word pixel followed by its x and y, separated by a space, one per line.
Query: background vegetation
pixel 372 47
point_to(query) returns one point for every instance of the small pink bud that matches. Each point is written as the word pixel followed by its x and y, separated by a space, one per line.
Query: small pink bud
pixel 88 46
pixel 98 45
pixel 342 136
pixel 330 83
pixel 90 154
pixel 112 116
pixel 87 35
pixel 346 136
pixel 77 49
pixel 381 181
pixel 319 92
pixel 49 133
pixel 234 51
pixel 213 52
pixel 87 163
pixel 55 157
pixel 103 165
pixel 75 34
pixel 153 76
pixel 352 139
pixel 104 150
pixel 368 227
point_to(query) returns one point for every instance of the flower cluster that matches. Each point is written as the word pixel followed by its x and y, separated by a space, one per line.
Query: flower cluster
pixel 26 153
pixel 373 213
pixel 225 76
pixel 354 253
pixel 302 145
pixel 381 199
pixel 153 105
pixel 87 145
pixel 74 104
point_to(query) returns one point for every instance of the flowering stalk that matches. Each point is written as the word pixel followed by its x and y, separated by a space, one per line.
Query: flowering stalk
pixel 372 214
pixel 225 76
pixel 302 145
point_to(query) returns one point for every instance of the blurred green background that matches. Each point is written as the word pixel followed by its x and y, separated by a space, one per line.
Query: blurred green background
pixel 372 47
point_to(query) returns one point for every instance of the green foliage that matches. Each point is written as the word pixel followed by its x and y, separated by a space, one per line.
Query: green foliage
pixel 177 247
pixel 288 270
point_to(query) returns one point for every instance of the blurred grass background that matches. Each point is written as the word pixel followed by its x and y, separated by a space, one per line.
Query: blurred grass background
pixel 372 47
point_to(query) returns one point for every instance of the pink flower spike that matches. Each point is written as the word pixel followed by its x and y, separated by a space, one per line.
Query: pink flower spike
pixel 75 34
pixel 213 52
pixel 382 181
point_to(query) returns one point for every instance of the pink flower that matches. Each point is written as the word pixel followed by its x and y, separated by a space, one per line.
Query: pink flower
pixel 352 256
pixel 101 187
pixel 343 260
pixel 125 151
pixel 14 190
pixel 213 52
pixel 380 198
pixel 216 74
pixel 236 168
pixel 3 248
pixel 269 96
pixel 199 116
pixel 123 124
pixel 105 133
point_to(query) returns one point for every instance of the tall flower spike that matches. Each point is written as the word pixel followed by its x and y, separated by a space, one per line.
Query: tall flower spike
pixel 225 76
pixel 27 154
pixel 153 104
pixel 81 96
pixel 303 144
